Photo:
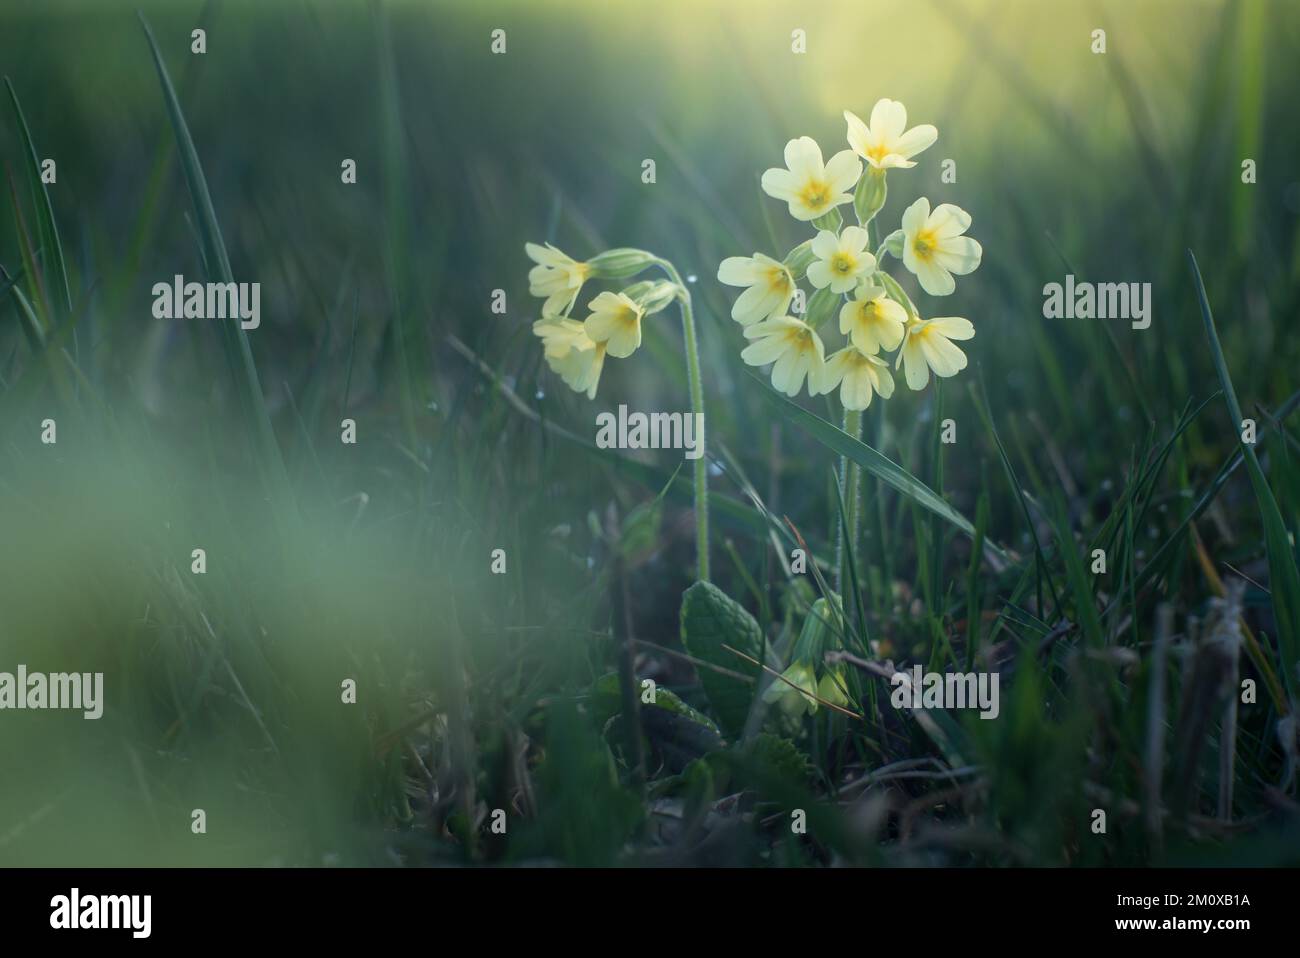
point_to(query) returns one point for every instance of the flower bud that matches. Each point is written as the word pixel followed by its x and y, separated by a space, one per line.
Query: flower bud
pixel 869 197
pixel 821 631
pixel 798 259
pixel 656 296
pixel 620 263
pixel 823 304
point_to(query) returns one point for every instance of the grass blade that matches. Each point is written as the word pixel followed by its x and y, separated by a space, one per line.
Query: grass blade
pixel 888 471
pixel 1284 577
pixel 234 339
pixel 47 232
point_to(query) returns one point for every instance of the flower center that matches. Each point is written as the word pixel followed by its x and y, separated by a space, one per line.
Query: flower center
pixel 776 279
pixel 843 263
pixel 925 244
pixel 816 194
pixel 878 152
pixel 799 339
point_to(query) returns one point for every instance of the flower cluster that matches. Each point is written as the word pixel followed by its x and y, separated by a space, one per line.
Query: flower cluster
pixel 800 689
pixel 875 314
pixel 577 350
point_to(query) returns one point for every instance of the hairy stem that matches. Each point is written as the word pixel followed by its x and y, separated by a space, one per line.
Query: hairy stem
pixel 700 466
pixel 850 483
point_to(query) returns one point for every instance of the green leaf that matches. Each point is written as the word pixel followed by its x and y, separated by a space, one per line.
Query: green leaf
pixel 239 354
pixel 710 621
pixel 1284 577
pixel 888 471
pixel 47 231
pixel 772 756
pixel 607 701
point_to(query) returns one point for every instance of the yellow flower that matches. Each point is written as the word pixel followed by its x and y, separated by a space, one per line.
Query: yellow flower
pixel 615 320
pixel 858 375
pixel 556 277
pixel 832 688
pixel 791 344
pixel 934 247
pixel 571 353
pixel 928 346
pixel 808 186
pixel 796 700
pixel 559 335
pixel 771 287
pixel 872 320
pixel 841 260
pixel 884 144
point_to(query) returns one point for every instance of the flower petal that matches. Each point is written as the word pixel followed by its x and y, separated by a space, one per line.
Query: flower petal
pixel 948 220
pixel 739 271
pixel 944 357
pixel 934 279
pixel 888 119
pixel 915 216
pixel 959 254
pixel 953 327
pixel 779 184
pixel 859 136
pixel 803 157
pixel 854 239
pixel 843 170
pixel 915 140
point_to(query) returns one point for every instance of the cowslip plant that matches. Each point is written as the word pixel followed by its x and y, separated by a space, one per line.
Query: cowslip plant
pixel 576 350
pixel 849 281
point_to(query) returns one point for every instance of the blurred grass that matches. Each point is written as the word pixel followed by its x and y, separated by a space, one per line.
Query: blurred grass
pixel 474 689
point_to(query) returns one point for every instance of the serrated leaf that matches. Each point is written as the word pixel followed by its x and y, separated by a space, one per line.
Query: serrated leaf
pixel 710 621
pixel 607 701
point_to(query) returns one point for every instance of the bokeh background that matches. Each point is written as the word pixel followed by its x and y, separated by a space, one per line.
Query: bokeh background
pixel 376 305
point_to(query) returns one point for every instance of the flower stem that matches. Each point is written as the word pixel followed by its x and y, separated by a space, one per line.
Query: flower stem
pixel 850 481
pixel 701 476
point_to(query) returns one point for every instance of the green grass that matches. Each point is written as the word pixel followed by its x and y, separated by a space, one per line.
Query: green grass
pixel 479 692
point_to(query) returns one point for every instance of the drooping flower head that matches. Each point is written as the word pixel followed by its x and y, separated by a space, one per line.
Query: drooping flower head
pixel 886 143
pixel 615 320
pixel 571 353
pixel 934 247
pixel 557 278
pixel 858 375
pixel 928 346
pixel 810 187
pixel 791 345
pixel 770 287
pixel 797 694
